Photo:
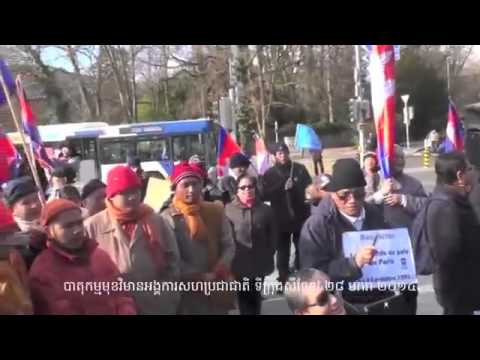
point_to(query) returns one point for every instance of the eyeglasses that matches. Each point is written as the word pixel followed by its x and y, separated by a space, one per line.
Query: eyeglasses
pixel 246 187
pixel 323 298
pixel 357 193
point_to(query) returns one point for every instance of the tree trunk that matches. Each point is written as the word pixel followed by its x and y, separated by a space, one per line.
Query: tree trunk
pixel 118 81
pixel 99 81
pixel 329 87
pixel 126 82
pixel 134 84
pixel 165 76
pixel 55 95
pixel 81 85
pixel 262 91
pixel 165 95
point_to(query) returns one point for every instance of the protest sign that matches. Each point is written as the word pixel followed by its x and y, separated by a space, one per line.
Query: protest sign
pixel 158 191
pixel 393 264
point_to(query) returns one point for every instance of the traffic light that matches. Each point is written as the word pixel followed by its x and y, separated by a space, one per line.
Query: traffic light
pixel 353 110
pixel 365 109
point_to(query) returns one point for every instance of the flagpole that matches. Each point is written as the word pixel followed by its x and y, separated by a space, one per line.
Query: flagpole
pixel 22 136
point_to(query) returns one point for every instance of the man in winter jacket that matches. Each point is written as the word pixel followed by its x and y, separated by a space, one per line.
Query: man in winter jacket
pixel 453 230
pixel 21 196
pixel 284 186
pixel 138 241
pixel 321 237
pixel 402 197
pixel 61 274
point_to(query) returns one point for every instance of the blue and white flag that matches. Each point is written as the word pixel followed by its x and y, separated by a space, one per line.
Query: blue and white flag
pixel 307 138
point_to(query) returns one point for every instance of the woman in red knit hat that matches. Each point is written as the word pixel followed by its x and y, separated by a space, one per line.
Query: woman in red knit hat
pixel 138 241
pixel 204 237
pixel 73 276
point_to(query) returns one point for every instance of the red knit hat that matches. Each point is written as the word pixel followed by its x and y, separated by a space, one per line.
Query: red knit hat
pixel 121 178
pixel 54 208
pixel 6 218
pixel 184 169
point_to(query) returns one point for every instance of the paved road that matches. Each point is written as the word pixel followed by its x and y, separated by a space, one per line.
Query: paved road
pixel 427 305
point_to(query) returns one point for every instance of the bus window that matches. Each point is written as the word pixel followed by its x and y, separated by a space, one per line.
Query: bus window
pixel 84 146
pixel 90 148
pixel 211 148
pixel 153 149
pixel 116 151
pixel 188 145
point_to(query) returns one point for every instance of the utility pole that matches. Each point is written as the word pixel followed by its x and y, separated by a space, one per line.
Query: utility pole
pixel 358 98
pixel 406 117
pixel 448 74
pixel 236 86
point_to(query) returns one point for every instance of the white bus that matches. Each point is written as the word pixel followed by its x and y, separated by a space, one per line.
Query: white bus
pixel 158 144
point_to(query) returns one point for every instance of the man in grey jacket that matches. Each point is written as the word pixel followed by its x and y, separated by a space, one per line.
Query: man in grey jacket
pixel 402 197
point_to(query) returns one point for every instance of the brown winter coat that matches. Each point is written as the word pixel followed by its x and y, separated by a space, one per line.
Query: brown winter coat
pixel 135 262
pixel 194 257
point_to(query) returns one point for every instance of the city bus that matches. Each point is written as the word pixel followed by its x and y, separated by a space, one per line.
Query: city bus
pixel 83 136
pixel 159 145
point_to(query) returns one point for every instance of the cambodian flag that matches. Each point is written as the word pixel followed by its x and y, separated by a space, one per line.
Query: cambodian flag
pixel 454 140
pixel 382 74
pixel 10 159
pixel 8 78
pixel 29 121
pixel 226 148
pixel 261 156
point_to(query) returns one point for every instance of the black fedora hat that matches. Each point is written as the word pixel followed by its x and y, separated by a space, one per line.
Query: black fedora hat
pixel 347 174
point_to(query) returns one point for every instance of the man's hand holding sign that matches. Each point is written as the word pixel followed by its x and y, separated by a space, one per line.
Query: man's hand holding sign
pixel 386 262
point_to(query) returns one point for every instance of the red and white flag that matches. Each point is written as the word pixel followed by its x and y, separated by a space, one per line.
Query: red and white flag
pixel 382 77
pixel 262 159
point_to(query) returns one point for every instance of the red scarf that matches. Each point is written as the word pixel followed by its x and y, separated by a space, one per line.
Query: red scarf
pixel 142 216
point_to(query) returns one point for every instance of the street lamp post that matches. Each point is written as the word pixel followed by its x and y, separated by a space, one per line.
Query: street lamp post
pixel 406 117
pixel 448 74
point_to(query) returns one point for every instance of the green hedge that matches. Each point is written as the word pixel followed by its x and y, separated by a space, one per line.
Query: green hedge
pixel 326 128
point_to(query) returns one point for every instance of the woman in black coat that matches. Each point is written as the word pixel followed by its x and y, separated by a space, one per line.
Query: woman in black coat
pixel 255 239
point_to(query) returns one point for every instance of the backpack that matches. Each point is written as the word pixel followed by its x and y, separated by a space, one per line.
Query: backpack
pixel 422 247
pixel 14 293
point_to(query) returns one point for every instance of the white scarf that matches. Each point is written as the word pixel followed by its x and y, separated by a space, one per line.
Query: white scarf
pixel 25 225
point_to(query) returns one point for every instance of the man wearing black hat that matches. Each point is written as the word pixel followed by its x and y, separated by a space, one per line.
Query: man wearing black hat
pixel 239 165
pixel 58 181
pixel 93 196
pixel 284 186
pixel 21 196
pixel 321 236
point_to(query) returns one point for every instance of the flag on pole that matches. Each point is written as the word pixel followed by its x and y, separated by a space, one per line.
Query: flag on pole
pixel 226 148
pixel 9 82
pixel 29 121
pixel 261 156
pixel 454 140
pixel 382 74
pixel 307 138
pixel 10 159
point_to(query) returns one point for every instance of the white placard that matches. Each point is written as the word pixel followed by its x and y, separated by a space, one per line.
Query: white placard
pixel 393 265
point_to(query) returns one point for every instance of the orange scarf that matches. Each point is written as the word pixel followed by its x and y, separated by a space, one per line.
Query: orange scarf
pixel 195 223
pixel 141 217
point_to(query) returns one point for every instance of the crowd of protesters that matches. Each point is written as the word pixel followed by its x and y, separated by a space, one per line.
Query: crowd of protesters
pixel 99 249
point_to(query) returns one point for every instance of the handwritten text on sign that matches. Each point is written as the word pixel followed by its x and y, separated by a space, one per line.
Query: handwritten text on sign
pixel 392 265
